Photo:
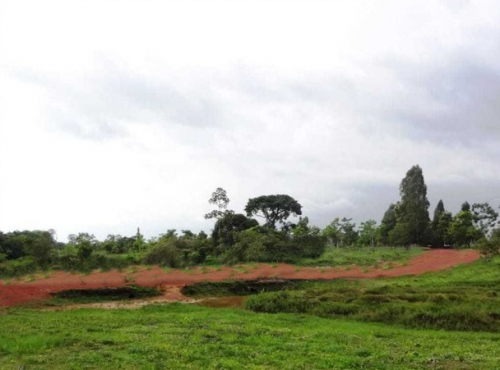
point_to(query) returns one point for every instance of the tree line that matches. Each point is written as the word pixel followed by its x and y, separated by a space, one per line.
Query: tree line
pixel 283 236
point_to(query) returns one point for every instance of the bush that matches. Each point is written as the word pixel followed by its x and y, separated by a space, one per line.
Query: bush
pixel 310 246
pixel 164 253
pixel 18 267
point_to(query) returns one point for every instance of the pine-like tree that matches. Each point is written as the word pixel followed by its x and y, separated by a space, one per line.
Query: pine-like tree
pixel 412 211
pixel 436 230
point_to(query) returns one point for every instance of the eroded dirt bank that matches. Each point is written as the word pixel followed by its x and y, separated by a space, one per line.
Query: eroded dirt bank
pixel 20 292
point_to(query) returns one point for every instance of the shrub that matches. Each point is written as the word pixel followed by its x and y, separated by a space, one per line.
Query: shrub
pixel 164 253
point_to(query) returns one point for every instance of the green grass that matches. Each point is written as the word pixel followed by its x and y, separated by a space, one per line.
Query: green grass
pixel 180 336
pixel 465 298
pixel 361 256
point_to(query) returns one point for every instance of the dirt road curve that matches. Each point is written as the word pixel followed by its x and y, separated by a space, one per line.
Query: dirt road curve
pixel 15 292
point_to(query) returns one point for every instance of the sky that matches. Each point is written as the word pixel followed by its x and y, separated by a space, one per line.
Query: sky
pixel 123 114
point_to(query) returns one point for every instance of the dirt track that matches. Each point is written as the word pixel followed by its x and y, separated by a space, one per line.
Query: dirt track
pixel 20 292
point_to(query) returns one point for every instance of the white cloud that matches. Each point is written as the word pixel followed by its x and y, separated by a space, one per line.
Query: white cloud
pixel 115 115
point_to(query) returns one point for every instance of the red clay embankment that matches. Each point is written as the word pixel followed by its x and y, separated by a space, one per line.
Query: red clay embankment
pixel 19 292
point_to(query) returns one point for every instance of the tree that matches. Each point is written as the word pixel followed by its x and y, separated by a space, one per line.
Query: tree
pixel 413 208
pixel 85 244
pixel 332 232
pixel 219 198
pixel 437 231
pixel 490 247
pixel 485 217
pixel 274 208
pixel 229 224
pixel 41 246
pixel 303 228
pixel 443 229
pixel 348 233
pixel 368 233
pixel 462 229
pixel 388 223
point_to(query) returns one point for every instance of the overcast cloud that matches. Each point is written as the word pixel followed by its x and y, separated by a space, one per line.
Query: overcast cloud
pixel 115 115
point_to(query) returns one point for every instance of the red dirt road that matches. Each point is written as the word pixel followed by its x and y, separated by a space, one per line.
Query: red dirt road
pixel 17 292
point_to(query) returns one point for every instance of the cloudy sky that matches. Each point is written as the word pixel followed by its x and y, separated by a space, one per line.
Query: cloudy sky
pixel 118 114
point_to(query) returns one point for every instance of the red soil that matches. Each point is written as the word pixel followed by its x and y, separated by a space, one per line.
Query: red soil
pixel 19 292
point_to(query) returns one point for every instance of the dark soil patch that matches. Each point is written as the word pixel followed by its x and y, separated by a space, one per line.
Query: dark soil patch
pixel 238 287
pixel 107 294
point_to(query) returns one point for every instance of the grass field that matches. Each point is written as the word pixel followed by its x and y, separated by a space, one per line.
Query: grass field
pixel 424 302
pixel 181 336
pixel 177 336
pixel 361 256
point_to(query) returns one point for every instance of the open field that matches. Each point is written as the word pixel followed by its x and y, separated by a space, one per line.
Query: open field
pixel 187 336
pixel 178 336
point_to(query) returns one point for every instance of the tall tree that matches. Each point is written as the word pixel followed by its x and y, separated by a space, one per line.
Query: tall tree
pixel 412 211
pixel 368 233
pixel 388 224
pixel 437 231
pixel 274 208
pixel 220 199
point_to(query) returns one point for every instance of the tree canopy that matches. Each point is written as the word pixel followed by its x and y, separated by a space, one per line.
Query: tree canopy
pixel 274 208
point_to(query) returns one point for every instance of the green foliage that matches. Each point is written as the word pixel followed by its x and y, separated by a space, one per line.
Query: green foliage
pixel 18 267
pixel 368 234
pixel 412 210
pixel 41 246
pixel 490 247
pixel 267 245
pixel 164 253
pixel 341 232
pixel 360 256
pixel 387 224
pixel 274 208
pixel 228 226
pixel 439 232
pixel 462 230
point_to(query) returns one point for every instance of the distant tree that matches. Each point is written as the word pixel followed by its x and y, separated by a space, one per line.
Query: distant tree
pixel 490 247
pixel 462 229
pixel 349 235
pixel 332 232
pixel 227 226
pixel 41 246
pixel 139 243
pixel 437 231
pixel 413 208
pixel 85 244
pixel 303 228
pixel 400 235
pixel 443 229
pixel 368 233
pixel 341 232
pixel 485 217
pixel 274 208
pixel 465 207
pixel 220 199
pixel 388 224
